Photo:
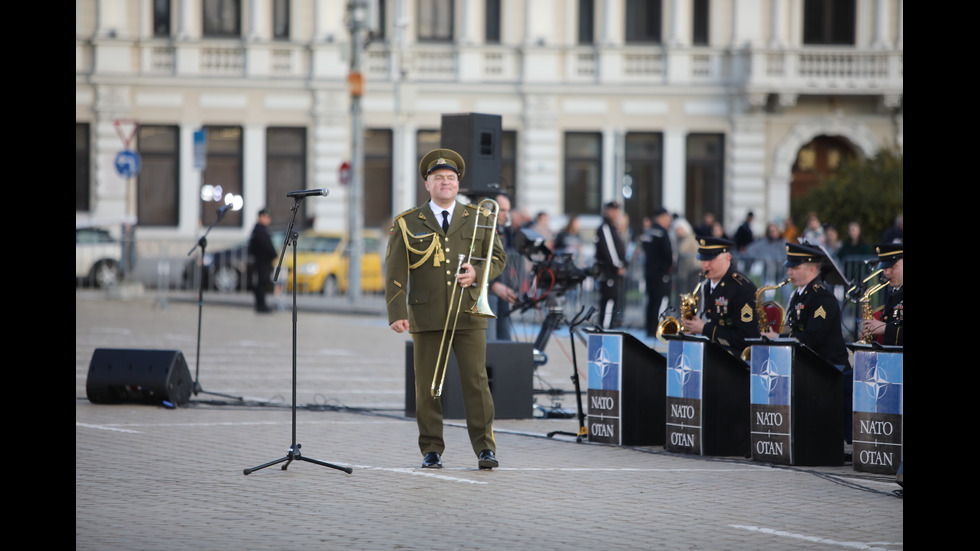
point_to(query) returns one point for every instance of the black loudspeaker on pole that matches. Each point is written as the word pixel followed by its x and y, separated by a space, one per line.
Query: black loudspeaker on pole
pixel 476 137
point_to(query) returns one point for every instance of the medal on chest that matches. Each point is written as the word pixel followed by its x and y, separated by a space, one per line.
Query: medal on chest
pixel 898 313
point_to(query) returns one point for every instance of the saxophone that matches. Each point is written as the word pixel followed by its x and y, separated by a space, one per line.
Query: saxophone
pixel 867 313
pixel 766 324
pixel 689 305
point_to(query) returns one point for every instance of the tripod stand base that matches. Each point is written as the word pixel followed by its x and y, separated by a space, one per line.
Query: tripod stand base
pixel 581 435
pixel 199 390
pixel 294 454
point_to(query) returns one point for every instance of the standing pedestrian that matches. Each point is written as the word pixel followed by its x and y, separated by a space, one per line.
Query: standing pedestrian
pixel 658 266
pixel 611 264
pixel 261 254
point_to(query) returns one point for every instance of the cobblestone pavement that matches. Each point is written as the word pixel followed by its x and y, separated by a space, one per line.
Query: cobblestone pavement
pixel 149 477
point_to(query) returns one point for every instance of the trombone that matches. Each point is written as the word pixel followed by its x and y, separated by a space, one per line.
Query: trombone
pixel 480 308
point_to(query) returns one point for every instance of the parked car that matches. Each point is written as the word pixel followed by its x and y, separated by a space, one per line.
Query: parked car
pixel 97 258
pixel 324 260
pixel 226 270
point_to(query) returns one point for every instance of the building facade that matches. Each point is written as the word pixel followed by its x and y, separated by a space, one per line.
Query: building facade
pixel 721 106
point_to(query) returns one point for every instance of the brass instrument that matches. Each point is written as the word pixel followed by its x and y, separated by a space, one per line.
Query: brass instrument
pixel 762 316
pixel 689 306
pixel 480 308
pixel 858 286
pixel 867 312
pixel 761 309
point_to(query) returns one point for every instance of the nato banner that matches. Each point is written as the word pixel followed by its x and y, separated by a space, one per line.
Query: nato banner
pixel 878 411
pixel 605 375
pixel 770 404
pixel 684 377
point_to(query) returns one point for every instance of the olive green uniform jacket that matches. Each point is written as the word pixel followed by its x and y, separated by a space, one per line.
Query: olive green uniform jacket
pixel 421 264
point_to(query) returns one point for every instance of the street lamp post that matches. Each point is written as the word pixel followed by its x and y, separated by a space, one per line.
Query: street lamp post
pixel 355 80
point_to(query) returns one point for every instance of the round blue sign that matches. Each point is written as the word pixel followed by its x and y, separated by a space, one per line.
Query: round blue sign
pixel 128 163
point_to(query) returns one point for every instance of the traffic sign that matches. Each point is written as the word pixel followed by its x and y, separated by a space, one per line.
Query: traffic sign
pixel 200 148
pixel 127 163
pixel 344 173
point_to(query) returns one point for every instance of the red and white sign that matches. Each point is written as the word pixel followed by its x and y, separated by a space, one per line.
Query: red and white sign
pixel 126 128
pixel 344 173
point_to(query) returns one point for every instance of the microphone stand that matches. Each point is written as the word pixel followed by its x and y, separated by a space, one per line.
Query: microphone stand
pixel 293 453
pixel 203 243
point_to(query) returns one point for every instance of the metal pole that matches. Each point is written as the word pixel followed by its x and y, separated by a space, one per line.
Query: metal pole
pixel 356 210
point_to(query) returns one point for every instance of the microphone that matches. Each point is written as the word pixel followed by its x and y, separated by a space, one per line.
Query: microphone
pixel 225 208
pixel 322 192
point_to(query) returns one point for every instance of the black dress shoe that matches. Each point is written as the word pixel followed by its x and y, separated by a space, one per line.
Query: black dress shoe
pixel 432 461
pixel 488 460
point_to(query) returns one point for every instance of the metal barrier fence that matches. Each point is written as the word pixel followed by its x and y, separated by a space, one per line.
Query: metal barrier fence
pixel 167 267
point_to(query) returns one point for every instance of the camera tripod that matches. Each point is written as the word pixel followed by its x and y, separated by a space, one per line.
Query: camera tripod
pixel 553 321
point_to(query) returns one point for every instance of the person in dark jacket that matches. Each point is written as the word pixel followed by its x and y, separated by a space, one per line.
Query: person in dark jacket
pixel 743 235
pixel 611 264
pixel 658 266
pixel 261 253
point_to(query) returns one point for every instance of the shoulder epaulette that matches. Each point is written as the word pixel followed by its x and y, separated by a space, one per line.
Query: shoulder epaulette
pixel 409 211
pixel 740 278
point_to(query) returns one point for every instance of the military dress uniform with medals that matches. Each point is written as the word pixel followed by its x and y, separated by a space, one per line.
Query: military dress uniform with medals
pixel 421 263
pixel 813 318
pixel 729 311
pixel 893 312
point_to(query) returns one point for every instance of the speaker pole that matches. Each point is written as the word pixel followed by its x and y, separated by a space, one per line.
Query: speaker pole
pixel 293 454
pixel 203 243
pixel 583 432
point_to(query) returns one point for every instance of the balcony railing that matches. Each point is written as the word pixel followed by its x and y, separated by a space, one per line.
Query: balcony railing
pixel 806 70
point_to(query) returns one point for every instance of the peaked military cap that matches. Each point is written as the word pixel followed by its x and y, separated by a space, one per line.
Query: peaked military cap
pixel 710 247
pixel 441 158
pixel 889 254
pixel 797 254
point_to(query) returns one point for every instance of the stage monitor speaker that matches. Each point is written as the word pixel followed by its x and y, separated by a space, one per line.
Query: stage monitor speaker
pixel 510 371
pixel 118 375
pixel 476 137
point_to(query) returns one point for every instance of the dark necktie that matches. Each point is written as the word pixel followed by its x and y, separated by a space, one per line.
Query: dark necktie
pixel 445 221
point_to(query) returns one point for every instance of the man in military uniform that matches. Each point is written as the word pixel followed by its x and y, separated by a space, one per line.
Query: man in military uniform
pixel 891 258
pixel 728 298
pixel 813 316
pixel 429 285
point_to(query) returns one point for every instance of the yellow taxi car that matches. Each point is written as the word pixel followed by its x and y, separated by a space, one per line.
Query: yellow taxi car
pixel 324 263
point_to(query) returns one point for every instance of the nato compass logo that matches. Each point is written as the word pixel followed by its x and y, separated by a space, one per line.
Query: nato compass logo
pixel 605 356
pixel 878 380
pixel 684 369
pixel 771 375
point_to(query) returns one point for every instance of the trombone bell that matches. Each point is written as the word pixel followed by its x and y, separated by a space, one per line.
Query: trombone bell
pixel 482 306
